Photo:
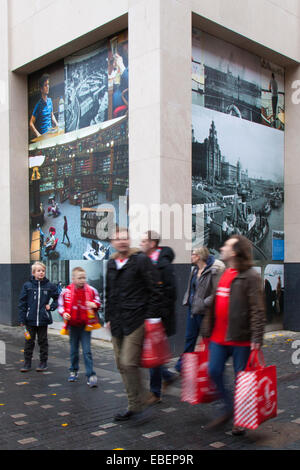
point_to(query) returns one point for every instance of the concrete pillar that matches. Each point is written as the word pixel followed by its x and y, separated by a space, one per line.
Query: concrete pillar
pixel 14 233
pixel 160 113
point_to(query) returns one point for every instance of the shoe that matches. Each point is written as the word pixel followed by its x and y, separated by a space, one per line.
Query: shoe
pixel 218 422
pixel 238 431
pixel 92 381
pixel 167 383
pixel 153 399
pixel 26 367
pixel 142 417
pixel 125 416
pixel 42 367
pixel 73 377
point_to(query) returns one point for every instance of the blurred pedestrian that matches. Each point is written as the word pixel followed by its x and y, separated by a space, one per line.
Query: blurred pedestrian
pixel 268 300
pixel 132 295
pixel 198 296
pixel 162 258
pixel 236 319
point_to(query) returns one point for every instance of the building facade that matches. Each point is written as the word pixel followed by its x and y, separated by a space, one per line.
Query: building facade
pixel 131 138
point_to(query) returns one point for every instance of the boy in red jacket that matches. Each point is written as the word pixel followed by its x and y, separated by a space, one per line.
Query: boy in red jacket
pixel 76 304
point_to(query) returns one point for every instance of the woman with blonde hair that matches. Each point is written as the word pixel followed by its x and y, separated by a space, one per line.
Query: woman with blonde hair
pixel 199 294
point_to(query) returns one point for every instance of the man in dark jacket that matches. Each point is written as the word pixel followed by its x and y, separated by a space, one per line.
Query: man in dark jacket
pixel 132 295
pixel 162 258
pixel 35 313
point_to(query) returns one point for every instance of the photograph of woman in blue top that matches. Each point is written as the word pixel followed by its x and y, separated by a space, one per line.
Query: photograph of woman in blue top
pixel 43 117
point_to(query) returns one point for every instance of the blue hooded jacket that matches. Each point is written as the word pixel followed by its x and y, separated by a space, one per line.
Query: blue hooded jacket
pixel 34 297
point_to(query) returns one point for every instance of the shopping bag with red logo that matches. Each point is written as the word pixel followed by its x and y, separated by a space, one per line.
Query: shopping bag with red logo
pixel 255 399
pixel 156 349
pixel 196 385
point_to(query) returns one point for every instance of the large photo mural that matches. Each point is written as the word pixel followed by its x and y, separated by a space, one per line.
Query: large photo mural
pixel 237 148
pixel 78 151
pixel 78 161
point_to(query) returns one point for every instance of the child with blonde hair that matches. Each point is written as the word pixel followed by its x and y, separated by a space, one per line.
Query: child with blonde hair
pixel 35 314
pixel 78 305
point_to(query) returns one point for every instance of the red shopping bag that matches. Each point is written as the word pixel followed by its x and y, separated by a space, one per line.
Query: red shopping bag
pixel 196 386
pixel 156 349
pixel 255 399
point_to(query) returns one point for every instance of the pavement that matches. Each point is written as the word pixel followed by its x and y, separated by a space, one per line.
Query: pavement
pixel 43 411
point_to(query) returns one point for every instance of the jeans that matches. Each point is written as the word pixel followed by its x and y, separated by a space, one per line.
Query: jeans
pixel 193 324
pixel 79 335
pixel 156 376
pixel 218 355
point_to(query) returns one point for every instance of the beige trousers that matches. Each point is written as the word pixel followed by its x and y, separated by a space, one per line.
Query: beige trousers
pixel 128 351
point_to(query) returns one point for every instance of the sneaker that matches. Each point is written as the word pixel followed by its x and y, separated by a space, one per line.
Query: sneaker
pixel 142 417
pixel 125 416
pixel 218 422
pixel 169 382
pixel 92 381
pixel 42 367
pixel 73 377
pixel 26 367
pixel 153 399
pixel 238 431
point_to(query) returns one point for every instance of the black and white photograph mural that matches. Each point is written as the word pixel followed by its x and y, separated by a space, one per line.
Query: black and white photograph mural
pixel 237 147
pixel 86 88
pixel 233 81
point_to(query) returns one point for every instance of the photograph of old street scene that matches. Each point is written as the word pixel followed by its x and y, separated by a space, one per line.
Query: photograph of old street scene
pixel 237 148
pixel 239 195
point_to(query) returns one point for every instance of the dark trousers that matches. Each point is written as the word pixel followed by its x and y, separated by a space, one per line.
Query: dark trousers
pixel 41 333
pixel 66 235
pixel 157 375
pixel 274 106
pixel 193 325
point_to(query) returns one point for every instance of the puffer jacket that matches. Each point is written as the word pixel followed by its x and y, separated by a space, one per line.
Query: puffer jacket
pixel 247 317
pixel 34 297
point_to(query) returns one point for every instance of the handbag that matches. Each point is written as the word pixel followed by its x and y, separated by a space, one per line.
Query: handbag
pixel 255 399
pixel 156 349
pixel 197 386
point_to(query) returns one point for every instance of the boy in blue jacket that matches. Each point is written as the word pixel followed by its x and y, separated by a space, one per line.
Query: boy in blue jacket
pixel 35 313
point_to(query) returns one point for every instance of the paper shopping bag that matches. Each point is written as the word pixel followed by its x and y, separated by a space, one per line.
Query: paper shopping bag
pixel 255 398
pixel 196 385
pixel 156 349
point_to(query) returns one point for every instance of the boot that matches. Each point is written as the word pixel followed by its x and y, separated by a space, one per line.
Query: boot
pixel 27 366
pixel 42 367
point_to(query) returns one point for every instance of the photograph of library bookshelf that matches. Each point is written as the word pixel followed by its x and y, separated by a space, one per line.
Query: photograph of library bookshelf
pixel 70 176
